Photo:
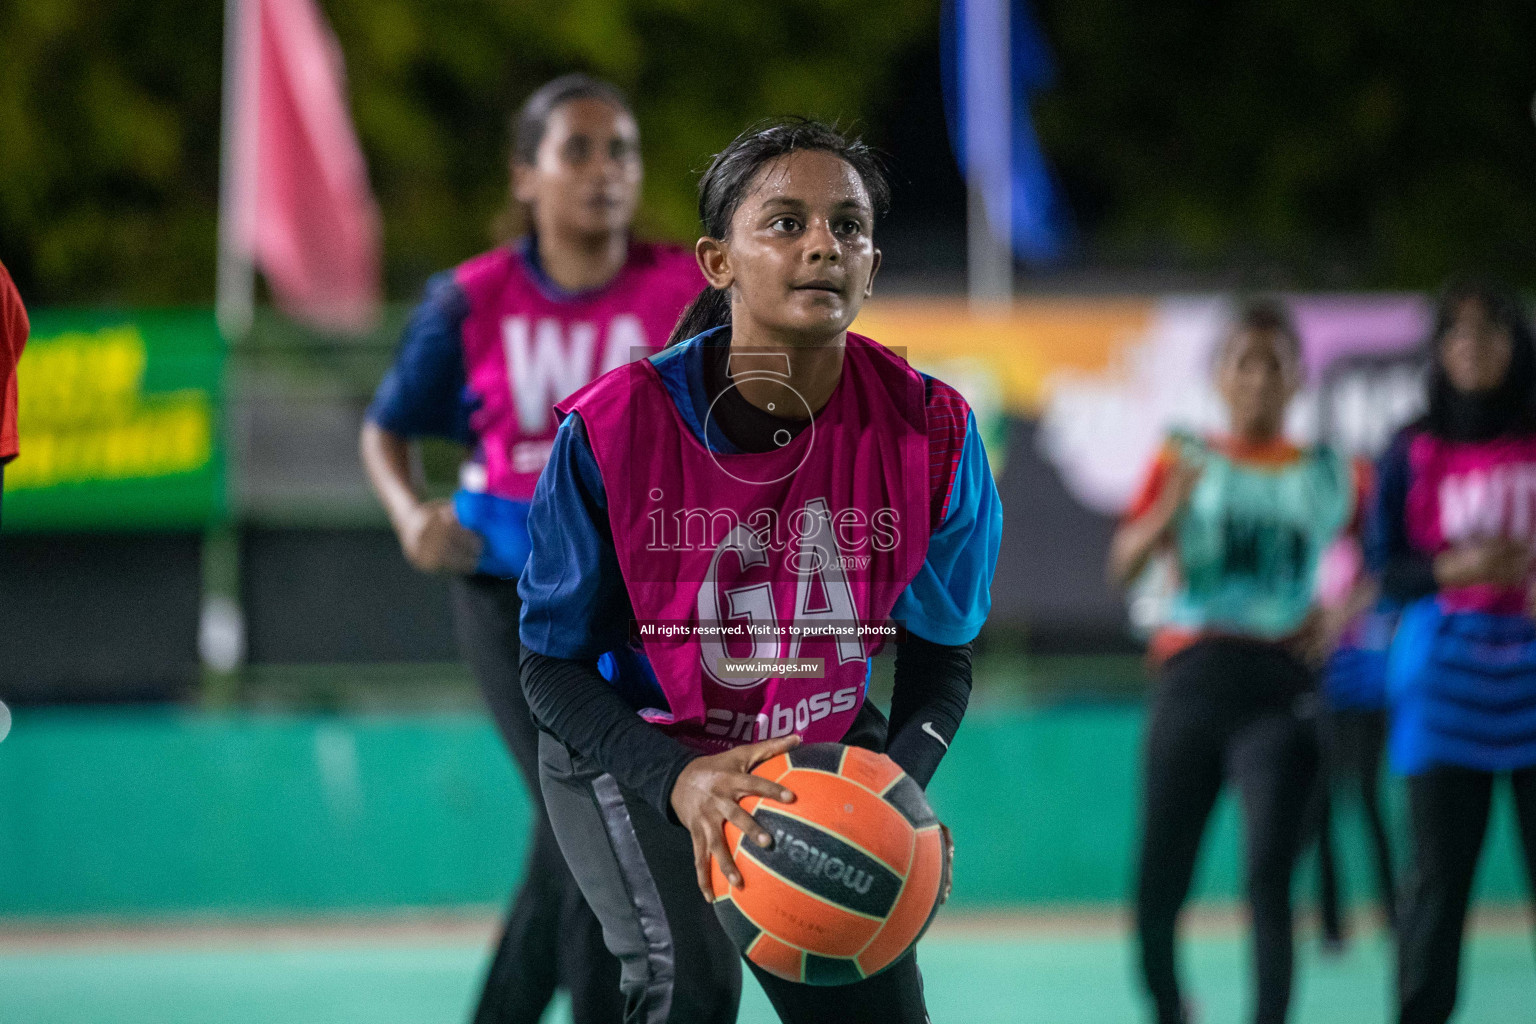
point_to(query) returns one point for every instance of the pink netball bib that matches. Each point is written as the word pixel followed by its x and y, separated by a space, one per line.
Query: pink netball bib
pixel 762 583
pixel 1467 491
pixel 525 350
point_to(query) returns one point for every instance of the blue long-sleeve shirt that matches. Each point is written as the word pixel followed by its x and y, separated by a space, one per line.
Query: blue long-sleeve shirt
pixel 1405 572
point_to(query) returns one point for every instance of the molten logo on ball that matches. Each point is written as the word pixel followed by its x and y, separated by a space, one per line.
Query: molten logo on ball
pixel 817 863
pixel 853 876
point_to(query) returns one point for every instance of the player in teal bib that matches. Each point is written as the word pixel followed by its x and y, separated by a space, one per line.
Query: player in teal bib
pixel 1251 536
pixel 1239 524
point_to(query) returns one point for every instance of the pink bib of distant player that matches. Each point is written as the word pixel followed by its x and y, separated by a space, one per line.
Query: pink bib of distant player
pixel 761 582
pixel 525 350
pixel 1472 491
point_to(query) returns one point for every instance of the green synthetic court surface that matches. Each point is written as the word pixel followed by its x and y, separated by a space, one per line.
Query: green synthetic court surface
pixel 977 973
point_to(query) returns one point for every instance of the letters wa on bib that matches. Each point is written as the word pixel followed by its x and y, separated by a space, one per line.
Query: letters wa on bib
pixel 495 344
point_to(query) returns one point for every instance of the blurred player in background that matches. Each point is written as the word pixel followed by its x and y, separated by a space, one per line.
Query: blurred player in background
pixel 494 344
pixel 13 338
pixel 1245 519
pixel 1354 727
pixel 1452 532
pixel 647 750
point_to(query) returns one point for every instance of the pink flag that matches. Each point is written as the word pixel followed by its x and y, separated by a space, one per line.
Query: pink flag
pixel 298 200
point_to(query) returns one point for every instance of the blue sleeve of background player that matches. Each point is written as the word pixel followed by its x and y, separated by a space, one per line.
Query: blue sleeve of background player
pixel 1404 572
pixel 424 391
pixel 574 601
pixel 948 600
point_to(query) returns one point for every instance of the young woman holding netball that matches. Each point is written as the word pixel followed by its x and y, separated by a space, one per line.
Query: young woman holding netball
pixel 1453 532
pixel 495 343
pixel 1245 518
pixel 771 468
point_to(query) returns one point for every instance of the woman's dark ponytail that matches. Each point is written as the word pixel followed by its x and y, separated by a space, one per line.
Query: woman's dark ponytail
pixel 731 173
pixel 711 308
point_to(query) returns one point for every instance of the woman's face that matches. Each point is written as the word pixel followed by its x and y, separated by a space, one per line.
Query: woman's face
pixel 585 177
pixel 799 258
pixel 1476 352
pixel 1258 376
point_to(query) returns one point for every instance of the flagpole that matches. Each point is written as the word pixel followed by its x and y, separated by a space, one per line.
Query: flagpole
pixel 221 625
pixel 235 288
pixel 988 94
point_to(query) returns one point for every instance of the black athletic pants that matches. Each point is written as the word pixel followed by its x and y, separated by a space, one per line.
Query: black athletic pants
pixel 1238 711
pixel 1448 810
pixel 679 967
pixel 1352 743
pixel 551 938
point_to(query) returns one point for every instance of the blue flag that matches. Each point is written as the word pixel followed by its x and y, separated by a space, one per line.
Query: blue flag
pixel 1037 218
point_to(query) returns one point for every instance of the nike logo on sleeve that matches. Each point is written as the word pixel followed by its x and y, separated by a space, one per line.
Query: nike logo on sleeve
pixel 931 731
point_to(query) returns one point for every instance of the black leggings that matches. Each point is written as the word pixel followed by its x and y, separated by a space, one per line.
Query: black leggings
pixel 1448 808
pixel 1352 743
pixel 551 938
pixel 1227 710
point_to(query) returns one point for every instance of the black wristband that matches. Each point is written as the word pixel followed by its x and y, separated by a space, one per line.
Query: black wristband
pixel 931 691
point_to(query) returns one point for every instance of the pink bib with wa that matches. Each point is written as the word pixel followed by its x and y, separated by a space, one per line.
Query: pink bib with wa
pixel 525 350
pixel 762 583
pixel 1468 491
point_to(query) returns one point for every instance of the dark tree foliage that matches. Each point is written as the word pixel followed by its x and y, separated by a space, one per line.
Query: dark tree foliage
pixel 1361 143
pixel 109 124
pixel 109 117
pixel 1379 143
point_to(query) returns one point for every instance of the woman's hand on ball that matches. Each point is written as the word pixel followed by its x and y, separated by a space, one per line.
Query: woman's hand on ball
pixel 707 794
